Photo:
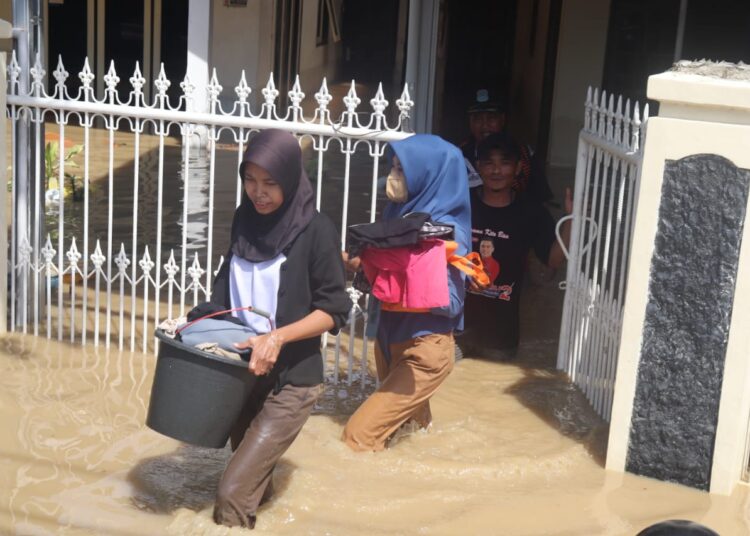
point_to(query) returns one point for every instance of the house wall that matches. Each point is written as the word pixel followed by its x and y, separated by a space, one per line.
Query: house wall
pixel 242 38
pixel 528 71
pixel 580 63
pixel 316 61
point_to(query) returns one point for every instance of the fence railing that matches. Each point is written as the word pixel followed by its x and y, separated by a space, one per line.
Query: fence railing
pixel 606 187
pixel 108 268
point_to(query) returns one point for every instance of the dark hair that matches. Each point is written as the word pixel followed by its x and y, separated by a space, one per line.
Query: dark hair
pixel 500 142
pixel 677 527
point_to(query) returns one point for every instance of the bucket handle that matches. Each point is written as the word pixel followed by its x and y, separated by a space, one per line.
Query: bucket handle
pixel 249 308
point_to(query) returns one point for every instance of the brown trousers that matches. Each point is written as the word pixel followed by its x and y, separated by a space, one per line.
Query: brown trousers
pixel 416 369
pixel 265 430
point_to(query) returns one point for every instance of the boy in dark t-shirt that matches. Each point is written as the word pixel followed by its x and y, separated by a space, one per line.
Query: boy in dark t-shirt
pixel 512 225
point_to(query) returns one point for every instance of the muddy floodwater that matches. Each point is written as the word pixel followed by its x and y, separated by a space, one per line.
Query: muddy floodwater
pixel 514 450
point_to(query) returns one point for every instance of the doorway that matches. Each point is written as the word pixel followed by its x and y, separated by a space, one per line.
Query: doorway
pixel 148 32
pixel 475 51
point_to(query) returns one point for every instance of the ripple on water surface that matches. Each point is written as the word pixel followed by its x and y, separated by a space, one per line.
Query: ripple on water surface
pixel 513 450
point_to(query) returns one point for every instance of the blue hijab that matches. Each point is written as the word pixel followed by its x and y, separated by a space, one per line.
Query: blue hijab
pixel 436 179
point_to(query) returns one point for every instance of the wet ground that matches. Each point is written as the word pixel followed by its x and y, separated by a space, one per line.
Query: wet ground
pixel 514 449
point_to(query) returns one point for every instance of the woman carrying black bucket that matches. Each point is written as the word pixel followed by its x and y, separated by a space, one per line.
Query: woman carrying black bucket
pixel 284 258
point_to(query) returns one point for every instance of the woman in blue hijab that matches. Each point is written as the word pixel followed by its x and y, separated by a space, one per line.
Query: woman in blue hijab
pixel 414 352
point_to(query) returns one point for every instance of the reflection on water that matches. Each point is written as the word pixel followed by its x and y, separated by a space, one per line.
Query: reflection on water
pixel 513 450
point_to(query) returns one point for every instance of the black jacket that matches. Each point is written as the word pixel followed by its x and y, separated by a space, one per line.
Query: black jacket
pixel 312 277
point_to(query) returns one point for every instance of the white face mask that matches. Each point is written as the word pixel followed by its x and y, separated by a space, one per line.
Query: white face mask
pixel 395 187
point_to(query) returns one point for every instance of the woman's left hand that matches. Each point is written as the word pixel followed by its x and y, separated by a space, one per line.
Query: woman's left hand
pixel 265 352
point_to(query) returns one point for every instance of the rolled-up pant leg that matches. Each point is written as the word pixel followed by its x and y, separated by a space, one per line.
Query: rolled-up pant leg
pixel 271 432
pixel 416 370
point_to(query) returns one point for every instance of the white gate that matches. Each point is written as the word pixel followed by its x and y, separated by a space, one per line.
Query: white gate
pixel 111 275
pixel 606 187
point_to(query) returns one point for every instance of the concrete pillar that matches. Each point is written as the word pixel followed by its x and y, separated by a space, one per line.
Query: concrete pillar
pixel 198 56
pixel 6 32
pixel 682 395
pixel 421 47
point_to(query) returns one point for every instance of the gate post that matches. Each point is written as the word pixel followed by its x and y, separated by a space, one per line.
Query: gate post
pixel 682 396
pixel 6 32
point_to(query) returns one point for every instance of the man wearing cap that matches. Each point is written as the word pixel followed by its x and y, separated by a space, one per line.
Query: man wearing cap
pixel 487 115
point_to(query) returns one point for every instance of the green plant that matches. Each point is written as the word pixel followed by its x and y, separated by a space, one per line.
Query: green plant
pixel 52 166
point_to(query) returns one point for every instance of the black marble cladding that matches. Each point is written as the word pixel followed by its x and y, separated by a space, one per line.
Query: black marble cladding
pixel 689 311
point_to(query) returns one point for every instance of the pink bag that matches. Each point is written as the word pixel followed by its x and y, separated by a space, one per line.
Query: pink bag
pixel 412 277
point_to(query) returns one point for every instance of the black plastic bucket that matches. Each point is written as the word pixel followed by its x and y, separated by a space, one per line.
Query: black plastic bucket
pixel 196 397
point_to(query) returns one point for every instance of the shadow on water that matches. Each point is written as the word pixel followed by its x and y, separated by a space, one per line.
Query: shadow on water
pixel 188 478
pixel 562 406
pixel 548 392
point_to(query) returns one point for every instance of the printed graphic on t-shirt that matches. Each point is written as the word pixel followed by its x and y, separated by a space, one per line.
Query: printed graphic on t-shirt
pixel 505 292
pixel 499 292
pixel 491 266
pixel 488 234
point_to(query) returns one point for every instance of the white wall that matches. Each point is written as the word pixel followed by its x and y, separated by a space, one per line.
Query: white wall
pixel 580 63
pixel 315 62
pixel 242 38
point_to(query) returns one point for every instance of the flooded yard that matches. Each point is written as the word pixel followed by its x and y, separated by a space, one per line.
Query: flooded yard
pixel 514 449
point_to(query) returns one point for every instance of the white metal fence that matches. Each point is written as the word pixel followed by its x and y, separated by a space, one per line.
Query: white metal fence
pixel 606 189
pixel 77 282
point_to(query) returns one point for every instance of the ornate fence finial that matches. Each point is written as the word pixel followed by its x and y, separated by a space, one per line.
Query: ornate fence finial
pixel 610 117
pixel 48 253
pixel 214 90
pixel 323 98
pixel 601 127
pixel 379 104
pixel 587 111
pixel 37 77
pixel 295 96
pixel 86 77
pixel 188 88
pixel 171 267
pixel 636 134
pixel 351 101
pixel 269 94
pixel 14 71
pixel 137 81
pixel 594 111
pixel 618 121
pixel 404 104
pixel 111 79
pixel 146 263
pixel 122 261
pixel 162 84
pixel 626 126
pixel 73 255
pixel 97 257
pixel 25 250
pixel 195 271
pixel 60 75
pixel 242 89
